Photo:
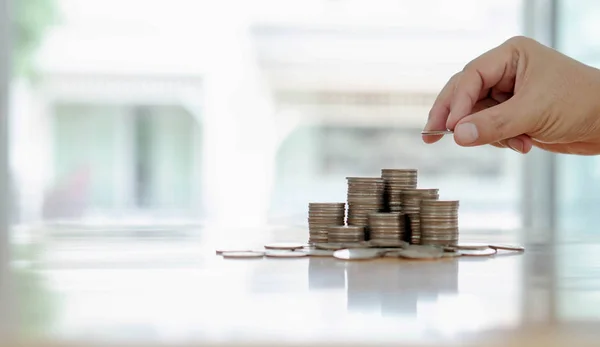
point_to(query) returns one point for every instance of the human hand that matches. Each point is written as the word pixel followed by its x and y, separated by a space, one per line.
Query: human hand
pixel 518 95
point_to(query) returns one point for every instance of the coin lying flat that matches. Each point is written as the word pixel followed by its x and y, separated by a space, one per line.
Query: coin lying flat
pixel 436 132
pixel 470 246
pixel 382 243
pixel 358 254
pixel 451 254
pixel 284 245
pixel 477 252
pixel 334 246
pixel 223 250
pixel 508 248
pixel 420 253
pixel 318 252
pixel 285 254
pixel 242 255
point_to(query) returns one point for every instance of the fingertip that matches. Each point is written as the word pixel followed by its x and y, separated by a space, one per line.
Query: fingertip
pixel 429 139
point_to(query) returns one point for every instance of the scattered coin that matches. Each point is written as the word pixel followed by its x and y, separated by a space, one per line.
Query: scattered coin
pixel 358 254
pixel 242 255
pixel 413 253
pixel 336 246
pixel 284 245
pixel 318 252
pixel 477 252
pixel 470 246
pixel 436 132
pixel 387 243
pixel 451 254
pixel 508 248
pixel 285 254
pixel 221 251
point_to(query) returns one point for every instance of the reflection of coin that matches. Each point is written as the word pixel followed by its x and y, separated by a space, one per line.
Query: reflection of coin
pixel 284 245
pixel 357 254
pixel 477 252
pixel 508 248
pixel 285 254
pixel 240 255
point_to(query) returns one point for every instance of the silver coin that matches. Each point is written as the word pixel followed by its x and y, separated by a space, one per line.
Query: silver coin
pixel 285 254
pixel 387 243
pixel 318 252
pixel 223 250
pixel 508 248
pixel 414 253
pixel 477 252
pixel 451 254
pixel 242 255
pixel 284 245
pixel 471 246
pixel 358 254
pixel 436 132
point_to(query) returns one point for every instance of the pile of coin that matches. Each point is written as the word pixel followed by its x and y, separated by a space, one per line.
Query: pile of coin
pixel 365 195
pixel 386 226
pixel 348 233
pixel 411 202
pixel 323 215
pixel 439 222
pixel 397 180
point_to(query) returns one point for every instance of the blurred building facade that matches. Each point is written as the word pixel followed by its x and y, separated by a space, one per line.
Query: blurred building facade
pixel 235 113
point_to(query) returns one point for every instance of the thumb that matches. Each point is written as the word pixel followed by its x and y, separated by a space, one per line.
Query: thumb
pixel 493 124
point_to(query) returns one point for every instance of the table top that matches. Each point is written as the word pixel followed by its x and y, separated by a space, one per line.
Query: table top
pixel 169 291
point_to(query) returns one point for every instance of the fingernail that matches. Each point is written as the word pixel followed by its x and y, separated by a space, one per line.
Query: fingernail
pixel 515 145
pixel 466 133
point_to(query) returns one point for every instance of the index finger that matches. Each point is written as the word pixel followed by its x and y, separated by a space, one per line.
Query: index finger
pixel 438 115
pixel 495 68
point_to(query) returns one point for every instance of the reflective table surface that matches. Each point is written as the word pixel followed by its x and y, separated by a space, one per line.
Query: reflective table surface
pixel 175 290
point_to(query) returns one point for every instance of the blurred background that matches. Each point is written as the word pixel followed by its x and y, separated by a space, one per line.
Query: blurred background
pixel 186 118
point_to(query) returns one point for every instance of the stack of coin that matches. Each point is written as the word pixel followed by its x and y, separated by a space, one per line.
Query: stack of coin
pixel 395 181
pixel 439 222
pixel 349 233
pixel 386 226
pixel 365 195
pixel 411 202
pixel 323 215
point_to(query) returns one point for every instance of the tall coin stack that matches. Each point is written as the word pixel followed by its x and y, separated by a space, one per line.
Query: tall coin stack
pixel 323 215
pixel 439 222
pixel 386 226
pixel 395 181
pixel 347 233
pixel 365 195
pixel 411 202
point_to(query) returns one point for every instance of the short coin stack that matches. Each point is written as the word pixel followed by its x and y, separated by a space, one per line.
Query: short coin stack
pixel 411 202
pixel 395 181
pixel 439 222
pixel 348 233
pixel 323 215
pixel 386 226
pixel 365 195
